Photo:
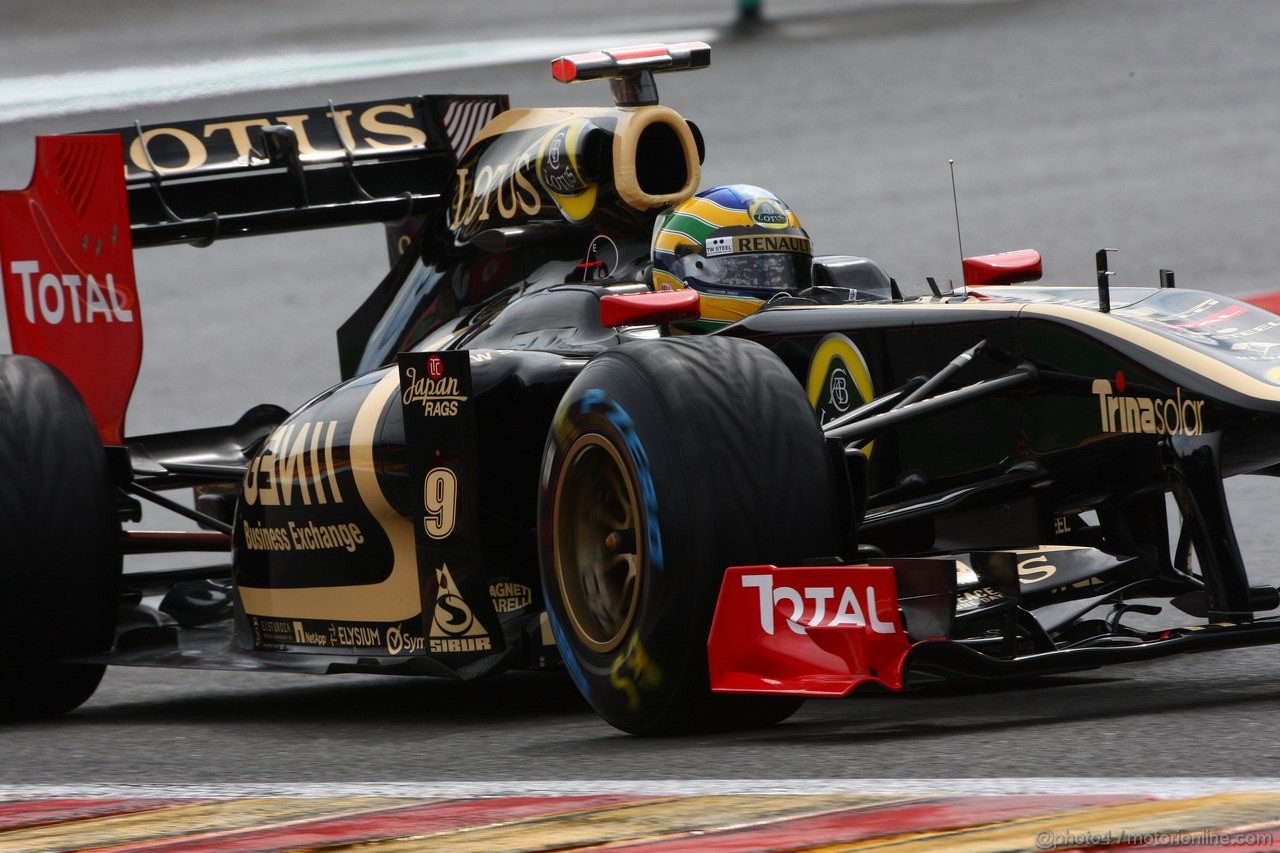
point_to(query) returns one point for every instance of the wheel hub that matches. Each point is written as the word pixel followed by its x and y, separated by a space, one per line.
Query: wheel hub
pixel 596 529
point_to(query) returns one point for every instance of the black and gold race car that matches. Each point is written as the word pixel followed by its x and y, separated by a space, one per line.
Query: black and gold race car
pixel 539 458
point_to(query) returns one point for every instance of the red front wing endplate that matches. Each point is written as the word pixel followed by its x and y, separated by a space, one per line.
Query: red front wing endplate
pixel 806 631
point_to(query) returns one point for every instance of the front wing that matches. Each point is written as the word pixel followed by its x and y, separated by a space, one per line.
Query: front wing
pixel 824 631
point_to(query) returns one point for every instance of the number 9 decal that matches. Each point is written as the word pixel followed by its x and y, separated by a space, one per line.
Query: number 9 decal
pixel 440 498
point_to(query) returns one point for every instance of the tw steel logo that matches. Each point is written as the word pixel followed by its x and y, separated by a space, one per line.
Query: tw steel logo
pixel 817 606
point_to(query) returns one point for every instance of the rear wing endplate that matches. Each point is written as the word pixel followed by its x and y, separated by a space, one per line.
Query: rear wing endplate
pixel 66 262
pixel 66 241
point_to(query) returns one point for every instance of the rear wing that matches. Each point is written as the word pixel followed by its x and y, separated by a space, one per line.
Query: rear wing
pixel 66 241
pixel 260 173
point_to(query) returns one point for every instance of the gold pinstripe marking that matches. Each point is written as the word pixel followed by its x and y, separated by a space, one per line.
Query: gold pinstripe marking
pixel 727 309
pixel 1187 356
pixel 540 117
pixel 649 820
pixel 183 821
pixel 397 597
pixel 1216 371
pixel 1202 813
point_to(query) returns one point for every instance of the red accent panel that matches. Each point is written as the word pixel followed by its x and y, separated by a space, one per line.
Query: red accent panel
pixel 806 631
pixel 659 306
pixel 1223 316
pixel 392 823
pixel 869 822
pixel 640 51
pixel 564 70
pixel 24 814
pixel 1003 268
pixel 66 261
pixel 1267 301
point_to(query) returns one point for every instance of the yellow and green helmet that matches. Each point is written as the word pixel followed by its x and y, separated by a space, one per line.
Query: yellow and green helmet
pixel 737 245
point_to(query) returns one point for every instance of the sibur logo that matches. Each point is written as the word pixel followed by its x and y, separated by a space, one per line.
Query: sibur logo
pixel 454 627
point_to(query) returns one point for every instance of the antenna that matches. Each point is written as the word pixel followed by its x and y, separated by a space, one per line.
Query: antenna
pixel 956 203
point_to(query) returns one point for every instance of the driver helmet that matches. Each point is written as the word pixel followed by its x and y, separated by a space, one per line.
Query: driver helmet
pixel 737 245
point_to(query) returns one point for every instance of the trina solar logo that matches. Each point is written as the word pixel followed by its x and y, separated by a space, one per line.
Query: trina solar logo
pixel 1147 415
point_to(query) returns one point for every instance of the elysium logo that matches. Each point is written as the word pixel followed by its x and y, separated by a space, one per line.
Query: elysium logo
pixel 1148 415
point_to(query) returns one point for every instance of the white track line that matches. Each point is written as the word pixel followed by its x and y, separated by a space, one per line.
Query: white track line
pixel 1179 787
pixel 102 91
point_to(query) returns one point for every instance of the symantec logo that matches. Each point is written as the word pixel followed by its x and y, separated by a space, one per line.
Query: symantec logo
pixel 817 606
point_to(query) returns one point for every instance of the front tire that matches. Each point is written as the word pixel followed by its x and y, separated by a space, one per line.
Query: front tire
pixel 669 461
pixel 59 543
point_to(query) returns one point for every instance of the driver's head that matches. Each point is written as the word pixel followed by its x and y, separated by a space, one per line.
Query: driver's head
pixel 737 245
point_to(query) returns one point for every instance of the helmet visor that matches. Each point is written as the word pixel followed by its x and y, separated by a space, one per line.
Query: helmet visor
pixel 761 274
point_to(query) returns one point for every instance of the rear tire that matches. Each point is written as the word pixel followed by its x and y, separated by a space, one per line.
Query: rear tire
pixel 669 461
pixel 59 543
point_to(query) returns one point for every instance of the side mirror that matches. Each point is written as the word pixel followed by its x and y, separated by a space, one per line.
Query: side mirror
pixel 1003 268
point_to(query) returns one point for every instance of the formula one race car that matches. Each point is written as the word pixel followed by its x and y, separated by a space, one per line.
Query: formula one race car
pixel 543 453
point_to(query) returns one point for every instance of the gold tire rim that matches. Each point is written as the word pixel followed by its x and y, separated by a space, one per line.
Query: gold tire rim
pixel 598 543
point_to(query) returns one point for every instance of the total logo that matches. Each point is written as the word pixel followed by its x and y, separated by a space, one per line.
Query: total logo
pixel 817 606
pixel 68 298
pixel 1150 415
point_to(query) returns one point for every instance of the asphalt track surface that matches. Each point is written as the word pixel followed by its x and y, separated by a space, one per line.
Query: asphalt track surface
pixel 1147 125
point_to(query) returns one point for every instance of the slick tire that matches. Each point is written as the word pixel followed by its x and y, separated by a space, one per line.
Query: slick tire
pixel 667 462
pixel 59 543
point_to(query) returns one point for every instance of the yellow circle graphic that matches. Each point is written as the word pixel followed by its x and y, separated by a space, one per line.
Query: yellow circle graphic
pixel 839 380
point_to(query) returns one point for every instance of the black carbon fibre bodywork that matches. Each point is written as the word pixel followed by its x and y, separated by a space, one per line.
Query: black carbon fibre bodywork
pixel 1006 450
